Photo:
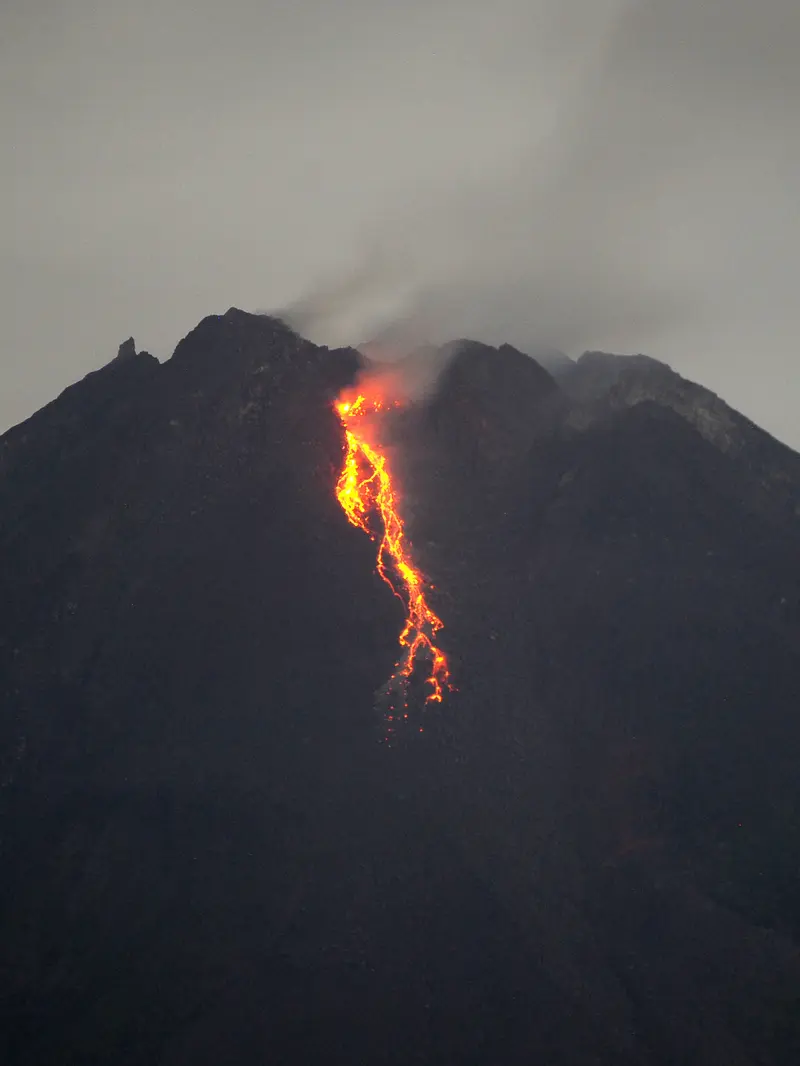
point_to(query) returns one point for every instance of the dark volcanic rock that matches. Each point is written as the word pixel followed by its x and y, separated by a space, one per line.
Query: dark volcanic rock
pixel 589 856
pixel 127 350
pixel 603 383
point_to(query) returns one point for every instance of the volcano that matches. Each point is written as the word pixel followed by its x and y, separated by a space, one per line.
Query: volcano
pixel 588 857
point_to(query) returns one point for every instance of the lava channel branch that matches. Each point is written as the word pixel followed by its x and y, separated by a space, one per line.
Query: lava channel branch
pixel 364 490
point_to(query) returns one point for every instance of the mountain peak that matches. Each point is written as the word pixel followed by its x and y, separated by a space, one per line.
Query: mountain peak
pixel 127 350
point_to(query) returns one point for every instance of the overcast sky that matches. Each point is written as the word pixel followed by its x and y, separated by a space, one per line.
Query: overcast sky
pixel 584 173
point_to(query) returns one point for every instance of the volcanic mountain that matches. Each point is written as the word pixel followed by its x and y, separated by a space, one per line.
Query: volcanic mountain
pixel 586 855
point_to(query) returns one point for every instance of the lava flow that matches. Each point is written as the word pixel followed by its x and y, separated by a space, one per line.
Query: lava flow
pixel 364 489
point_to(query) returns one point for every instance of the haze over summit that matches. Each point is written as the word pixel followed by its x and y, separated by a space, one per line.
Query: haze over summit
pixel 585 174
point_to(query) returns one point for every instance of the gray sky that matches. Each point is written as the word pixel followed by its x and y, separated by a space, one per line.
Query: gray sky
pixel 617 174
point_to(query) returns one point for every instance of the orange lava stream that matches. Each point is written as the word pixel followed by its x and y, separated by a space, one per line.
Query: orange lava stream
pixel 365 487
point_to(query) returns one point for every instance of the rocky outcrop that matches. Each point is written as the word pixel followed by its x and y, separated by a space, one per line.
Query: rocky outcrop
pixel 603 383
pixel 623 381
pixel 127 350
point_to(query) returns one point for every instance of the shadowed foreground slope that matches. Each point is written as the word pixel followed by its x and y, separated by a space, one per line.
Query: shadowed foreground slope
pixel 589 857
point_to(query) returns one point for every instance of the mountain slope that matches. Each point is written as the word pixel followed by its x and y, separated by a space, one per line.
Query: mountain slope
pixel 590 854
pixel 602 383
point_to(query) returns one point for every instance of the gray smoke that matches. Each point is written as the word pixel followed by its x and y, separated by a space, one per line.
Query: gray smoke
pixel 654 211
pixel 578 173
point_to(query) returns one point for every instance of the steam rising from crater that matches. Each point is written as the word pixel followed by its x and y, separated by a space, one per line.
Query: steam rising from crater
pixel 647 206
pixel 614 174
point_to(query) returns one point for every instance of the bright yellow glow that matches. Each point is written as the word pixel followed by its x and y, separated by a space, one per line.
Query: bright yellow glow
pixel 365 489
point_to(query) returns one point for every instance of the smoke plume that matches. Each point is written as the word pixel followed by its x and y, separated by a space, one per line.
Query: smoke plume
pixel 570 173
pixel 647 206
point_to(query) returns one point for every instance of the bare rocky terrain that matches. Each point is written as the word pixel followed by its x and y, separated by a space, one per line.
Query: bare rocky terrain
pixel 590 857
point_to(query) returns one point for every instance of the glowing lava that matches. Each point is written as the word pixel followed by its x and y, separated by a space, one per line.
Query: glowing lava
pixel 365 489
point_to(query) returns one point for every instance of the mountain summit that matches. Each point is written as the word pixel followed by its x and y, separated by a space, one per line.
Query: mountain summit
pixel 587 857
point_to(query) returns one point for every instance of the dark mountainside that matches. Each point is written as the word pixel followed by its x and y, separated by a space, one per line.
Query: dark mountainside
pixel 590 856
